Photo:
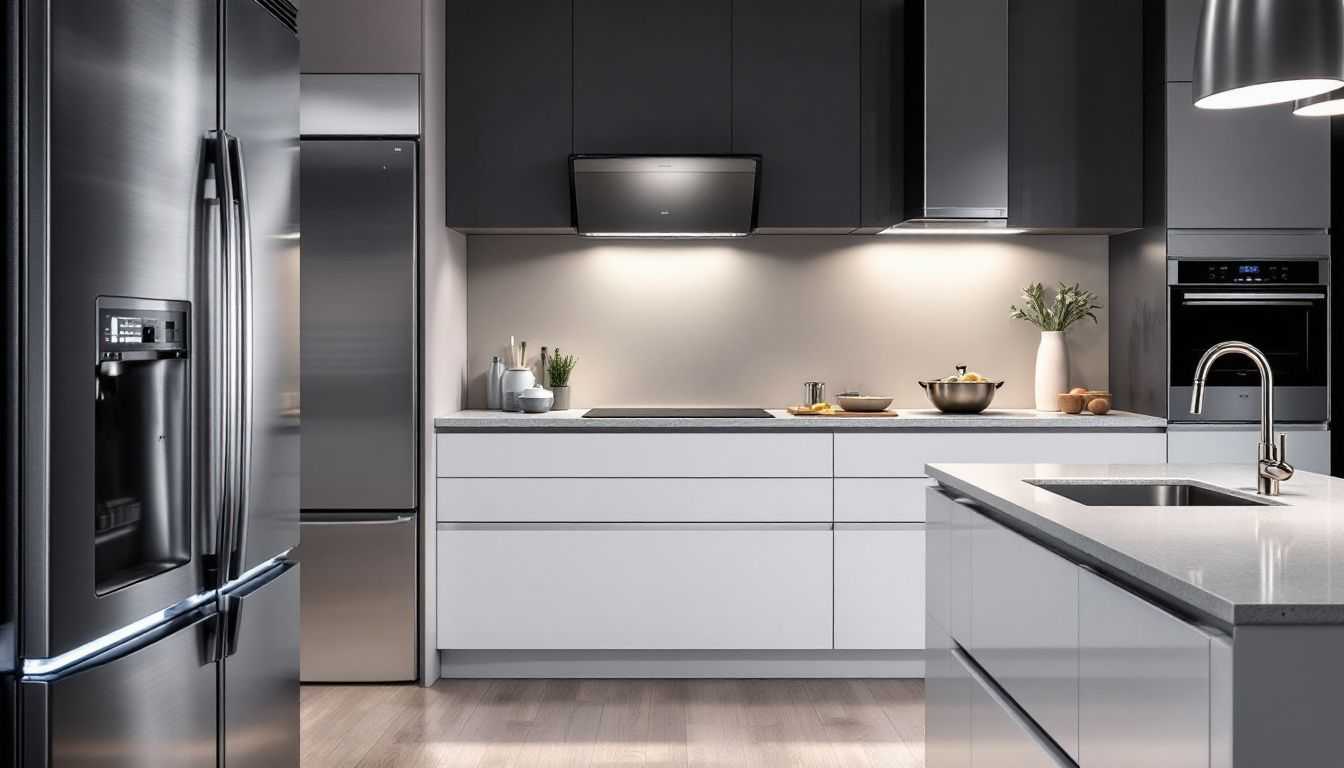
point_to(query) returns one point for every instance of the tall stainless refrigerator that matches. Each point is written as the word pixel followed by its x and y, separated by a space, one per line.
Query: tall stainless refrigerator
pixel 152 371
pixel 360 378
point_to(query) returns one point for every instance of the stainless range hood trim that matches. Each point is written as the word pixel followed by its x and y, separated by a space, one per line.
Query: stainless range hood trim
pixel 666 235
pixel 944 225
pixel 688 164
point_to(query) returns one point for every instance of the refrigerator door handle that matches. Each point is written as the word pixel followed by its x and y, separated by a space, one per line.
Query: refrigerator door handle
pixel 233 623
pixel 354 518
pixel 219 449
pixel 197 614
pixel 243 379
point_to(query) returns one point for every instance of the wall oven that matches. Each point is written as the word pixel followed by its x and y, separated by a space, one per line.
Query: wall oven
pixel 1281 307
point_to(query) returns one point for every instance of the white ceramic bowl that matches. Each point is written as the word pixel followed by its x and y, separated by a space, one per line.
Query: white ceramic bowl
pixel 864 403
pixel 535 400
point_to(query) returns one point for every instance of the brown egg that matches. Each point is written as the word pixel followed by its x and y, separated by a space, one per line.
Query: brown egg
pixel 1077 390
pixel 1070 403
pixel 1099 406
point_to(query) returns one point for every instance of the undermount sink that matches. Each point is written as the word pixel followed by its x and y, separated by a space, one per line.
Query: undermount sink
pixel 1155 494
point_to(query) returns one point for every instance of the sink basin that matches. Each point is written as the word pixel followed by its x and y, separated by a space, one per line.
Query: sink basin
pixel 1156 494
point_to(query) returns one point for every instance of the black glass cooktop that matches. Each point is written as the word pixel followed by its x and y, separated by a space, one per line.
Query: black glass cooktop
pixel 677 413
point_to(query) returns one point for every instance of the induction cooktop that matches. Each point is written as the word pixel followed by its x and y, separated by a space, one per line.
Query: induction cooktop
pixel 677 413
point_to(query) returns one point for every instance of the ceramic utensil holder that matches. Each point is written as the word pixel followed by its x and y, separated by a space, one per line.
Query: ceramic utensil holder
pixel 516 380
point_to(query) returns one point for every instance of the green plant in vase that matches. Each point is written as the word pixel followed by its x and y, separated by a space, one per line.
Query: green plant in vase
pixel 558 370
pixel 1071 304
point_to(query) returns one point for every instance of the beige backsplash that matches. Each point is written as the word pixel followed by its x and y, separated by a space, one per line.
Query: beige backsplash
pixel 746 322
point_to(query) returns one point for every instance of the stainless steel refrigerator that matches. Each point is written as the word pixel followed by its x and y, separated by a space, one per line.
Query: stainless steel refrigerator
pixel 151 610
pixel 360 406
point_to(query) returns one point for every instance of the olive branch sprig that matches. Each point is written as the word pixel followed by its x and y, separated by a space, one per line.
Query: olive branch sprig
pixel 1071 304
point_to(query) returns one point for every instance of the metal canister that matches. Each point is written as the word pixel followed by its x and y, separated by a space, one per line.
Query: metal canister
pixel 494 378
pixel 814 392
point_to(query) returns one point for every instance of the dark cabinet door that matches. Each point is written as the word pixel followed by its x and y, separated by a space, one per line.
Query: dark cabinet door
pixel 796 103
pixel 883 95
pixel 650 77
pixel 1170 29
pixel 963 99
pixel 509 129
pixel 1258 168
pixel 1075 117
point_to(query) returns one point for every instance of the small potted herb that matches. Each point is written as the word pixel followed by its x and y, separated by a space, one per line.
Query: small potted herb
pixel 558 370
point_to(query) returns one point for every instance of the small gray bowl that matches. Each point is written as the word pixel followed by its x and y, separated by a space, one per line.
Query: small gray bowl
pixel 535 400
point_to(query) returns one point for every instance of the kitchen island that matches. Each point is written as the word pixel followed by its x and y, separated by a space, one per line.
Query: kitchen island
pixel 789 546
pixel 1114 633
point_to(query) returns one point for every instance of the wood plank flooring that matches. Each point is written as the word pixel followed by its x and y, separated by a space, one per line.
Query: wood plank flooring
pixel 588 723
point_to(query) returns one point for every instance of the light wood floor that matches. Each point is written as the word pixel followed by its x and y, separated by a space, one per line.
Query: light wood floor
pixel 581 723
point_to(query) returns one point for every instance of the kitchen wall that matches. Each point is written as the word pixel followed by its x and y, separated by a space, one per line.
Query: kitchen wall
pixel 746 322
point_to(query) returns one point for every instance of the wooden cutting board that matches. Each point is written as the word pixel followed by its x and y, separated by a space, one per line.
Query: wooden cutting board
pixel 800 411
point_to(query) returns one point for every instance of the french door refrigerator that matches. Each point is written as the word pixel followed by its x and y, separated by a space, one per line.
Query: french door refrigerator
pixel 151 609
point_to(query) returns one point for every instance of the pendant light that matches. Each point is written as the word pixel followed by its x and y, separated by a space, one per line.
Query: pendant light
pixel 1321 106
pixel 1255 52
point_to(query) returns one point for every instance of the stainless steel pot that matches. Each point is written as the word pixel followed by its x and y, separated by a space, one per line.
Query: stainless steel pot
pixel 961 396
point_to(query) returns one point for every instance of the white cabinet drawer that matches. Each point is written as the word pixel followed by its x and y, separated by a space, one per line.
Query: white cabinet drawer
pixel 879 586
pixel 1308 449
pixel 634 500
pixel 1024 626
pixel 880 500
pixel 634 454
pixel 1143 689
pixel 634 587
pixel 904 455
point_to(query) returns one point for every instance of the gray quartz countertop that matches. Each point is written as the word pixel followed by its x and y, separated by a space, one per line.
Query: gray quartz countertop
pixel 1234 565
pixel 912 419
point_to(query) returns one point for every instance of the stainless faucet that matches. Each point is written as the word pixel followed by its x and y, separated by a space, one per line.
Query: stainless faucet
pixel 1272 466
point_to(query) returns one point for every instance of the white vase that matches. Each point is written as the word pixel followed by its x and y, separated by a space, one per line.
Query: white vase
pixel 1052 370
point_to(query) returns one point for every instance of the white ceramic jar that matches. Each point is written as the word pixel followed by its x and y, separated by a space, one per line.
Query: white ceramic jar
pixel 516 380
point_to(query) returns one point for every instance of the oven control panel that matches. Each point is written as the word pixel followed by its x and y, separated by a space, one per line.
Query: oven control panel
pixel 1249 272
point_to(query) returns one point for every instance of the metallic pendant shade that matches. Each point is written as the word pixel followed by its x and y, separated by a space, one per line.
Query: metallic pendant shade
pixel 1255 52
pixel 1325 105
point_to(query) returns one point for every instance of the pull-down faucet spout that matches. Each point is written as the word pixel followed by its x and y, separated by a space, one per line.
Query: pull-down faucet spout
pixel 1271 467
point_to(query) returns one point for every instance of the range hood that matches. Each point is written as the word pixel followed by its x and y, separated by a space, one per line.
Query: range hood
pixel 956 153
pixel 665 196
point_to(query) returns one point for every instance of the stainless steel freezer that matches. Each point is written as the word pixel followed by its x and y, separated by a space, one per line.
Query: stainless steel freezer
pixel 360 410
pixel 157 371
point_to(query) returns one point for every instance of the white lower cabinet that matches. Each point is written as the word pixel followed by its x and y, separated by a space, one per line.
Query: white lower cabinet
pixel 1001 736
pixel 947 703
pixel 905 454
pixel 880 499
pixel 1308 448
pixel 635 587
pixel 879 586
pixel 1143 688
pixel 1024 626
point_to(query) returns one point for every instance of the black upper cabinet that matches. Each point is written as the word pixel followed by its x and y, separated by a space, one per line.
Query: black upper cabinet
pixel 882 105
pixel 1075 114
pixel 1170 29
pixel 651 76
pixel 957 110
pixel 796 103
pixel 509 129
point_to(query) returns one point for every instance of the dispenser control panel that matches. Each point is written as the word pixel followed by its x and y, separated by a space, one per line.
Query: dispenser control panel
pixel 133 328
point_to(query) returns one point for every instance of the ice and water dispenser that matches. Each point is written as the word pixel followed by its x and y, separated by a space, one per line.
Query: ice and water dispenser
pixel 142 515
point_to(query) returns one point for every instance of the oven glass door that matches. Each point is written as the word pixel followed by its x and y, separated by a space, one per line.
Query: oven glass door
pixel 1287 323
